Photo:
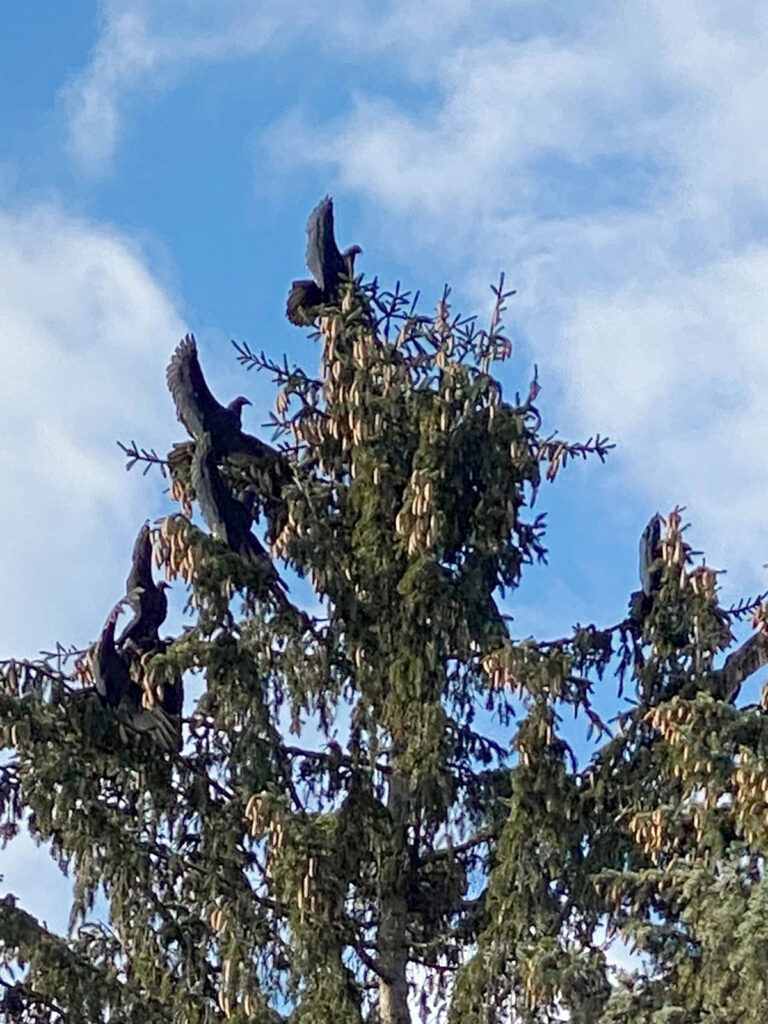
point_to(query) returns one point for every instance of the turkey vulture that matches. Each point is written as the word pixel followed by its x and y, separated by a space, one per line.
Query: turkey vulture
pixel 146 598
pixel 650 551
pixel 227 517
pixel 326 264
pixel 116 687
pixel 199 411
pixel 641 601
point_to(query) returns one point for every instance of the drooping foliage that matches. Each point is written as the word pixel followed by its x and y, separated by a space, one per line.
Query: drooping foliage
pixel 375 814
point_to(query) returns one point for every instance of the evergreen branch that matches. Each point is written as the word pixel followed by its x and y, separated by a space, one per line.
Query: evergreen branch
pixel 484 835
pixel 285 766
pixel 336 758
pixel 369 961
pixel 18 996
pixel 435 967
pixel 280 374
pixel 63 654
pixel 247 358
pixel 745 607
pixel 23 676
pixel 134 454
pixel 557 453
pixel 568 641
pixel 741 664
pixel 22 932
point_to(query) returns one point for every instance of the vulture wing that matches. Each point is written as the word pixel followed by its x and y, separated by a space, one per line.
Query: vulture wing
pixel 173 697
pixel 110 670
pixel 150 607
pixel 324 260
pixel 114 684
pixel 163 730
pixel 147 600
pixel 195 405
pixel 141 568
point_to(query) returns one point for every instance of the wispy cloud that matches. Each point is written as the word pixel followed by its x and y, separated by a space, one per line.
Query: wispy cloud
pixel 85 332
pixel 146 47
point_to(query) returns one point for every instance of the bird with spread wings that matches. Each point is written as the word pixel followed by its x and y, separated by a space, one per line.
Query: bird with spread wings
pixel 326 264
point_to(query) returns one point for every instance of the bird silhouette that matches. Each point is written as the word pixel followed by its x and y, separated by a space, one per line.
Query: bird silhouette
pixel 326 264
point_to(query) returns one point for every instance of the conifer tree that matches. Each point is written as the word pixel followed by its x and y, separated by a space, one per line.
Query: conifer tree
pixel 374 814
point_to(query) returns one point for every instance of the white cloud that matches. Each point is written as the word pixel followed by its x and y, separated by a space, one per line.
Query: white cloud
pixel 146 47
pixel 85 333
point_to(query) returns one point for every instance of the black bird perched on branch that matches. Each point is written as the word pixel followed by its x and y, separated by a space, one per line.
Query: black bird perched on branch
pixel 641 601
pixel 111 673
pixel 326 264
pixel 140 639
pixel 650 551
pixel 199 411
pixel 227 517
pixel 146 598
pixel 116 687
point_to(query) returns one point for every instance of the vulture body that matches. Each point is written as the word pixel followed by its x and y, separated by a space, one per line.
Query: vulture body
pixel 199 411
pixel 650 551
pixel 117 667
pixel 326 264
pixel 641 601
pixel 116 687
pixel 140 638
pixel 226 516
pixel 303 297
pixel 146 598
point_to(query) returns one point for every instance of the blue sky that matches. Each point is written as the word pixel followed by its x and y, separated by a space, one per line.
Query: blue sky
pixel 157 164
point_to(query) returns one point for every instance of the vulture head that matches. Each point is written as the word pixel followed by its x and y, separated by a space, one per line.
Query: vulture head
pixel 349 258
pixel 236 405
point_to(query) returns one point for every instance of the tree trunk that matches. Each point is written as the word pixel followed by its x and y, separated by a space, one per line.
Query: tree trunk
pixel 392 944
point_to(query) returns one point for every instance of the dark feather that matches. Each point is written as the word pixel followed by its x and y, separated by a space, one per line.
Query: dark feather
pixel 118 689
pixel 146 598
pixel 141 563
pixel 110 669
pixel 303 297
pixel 173 697
pixel 199 411
pixel 325 262
pixel 165 730
pixel 650 552
pixel 195 405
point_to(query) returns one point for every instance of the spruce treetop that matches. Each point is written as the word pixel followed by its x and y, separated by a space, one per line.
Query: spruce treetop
pixel 335 833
